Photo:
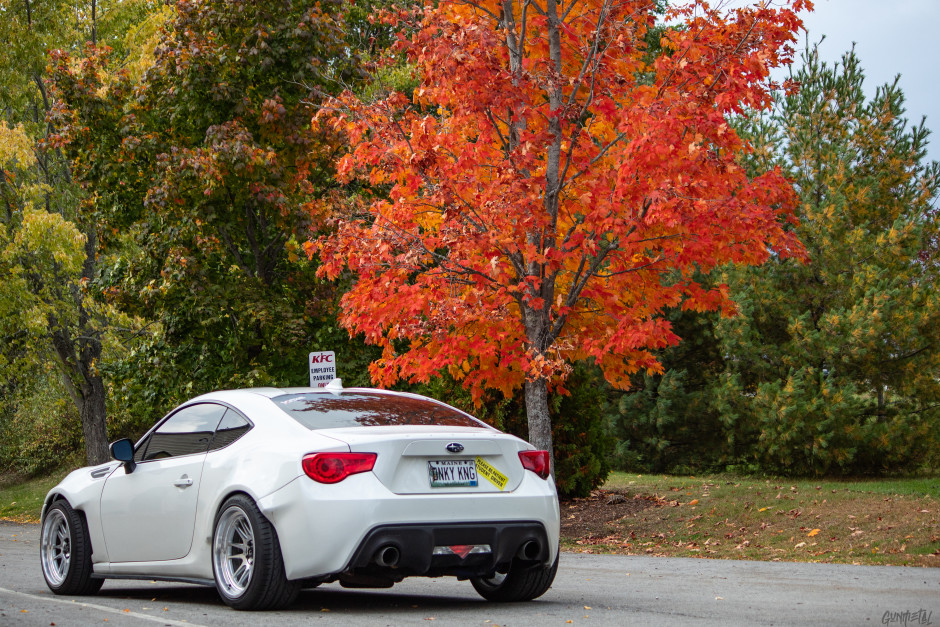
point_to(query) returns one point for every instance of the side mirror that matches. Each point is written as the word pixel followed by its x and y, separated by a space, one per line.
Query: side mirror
pixel 123 451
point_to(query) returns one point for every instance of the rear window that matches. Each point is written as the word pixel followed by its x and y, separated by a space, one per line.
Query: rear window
pixel 364 409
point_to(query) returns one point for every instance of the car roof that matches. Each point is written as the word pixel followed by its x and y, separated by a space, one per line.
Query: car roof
pixel 272 392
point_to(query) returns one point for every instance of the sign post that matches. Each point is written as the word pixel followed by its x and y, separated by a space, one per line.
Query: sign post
pixel 322 368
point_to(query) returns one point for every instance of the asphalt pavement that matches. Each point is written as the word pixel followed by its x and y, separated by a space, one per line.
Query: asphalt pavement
pixel 596 590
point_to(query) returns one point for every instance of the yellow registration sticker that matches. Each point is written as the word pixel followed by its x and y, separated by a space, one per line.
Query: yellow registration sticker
pixel 491 474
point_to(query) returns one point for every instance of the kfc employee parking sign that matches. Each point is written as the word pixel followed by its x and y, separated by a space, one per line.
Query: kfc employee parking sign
pixel 322 368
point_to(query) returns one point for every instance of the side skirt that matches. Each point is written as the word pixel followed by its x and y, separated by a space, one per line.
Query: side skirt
pixel 194 580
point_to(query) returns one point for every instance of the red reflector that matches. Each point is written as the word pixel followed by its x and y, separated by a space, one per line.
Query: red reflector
pixel 334 467
pixel 463 550
pixel 536 461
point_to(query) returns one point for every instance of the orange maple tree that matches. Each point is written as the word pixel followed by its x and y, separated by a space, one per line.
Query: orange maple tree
pixel 550 190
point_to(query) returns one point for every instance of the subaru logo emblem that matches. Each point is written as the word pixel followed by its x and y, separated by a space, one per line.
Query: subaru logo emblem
pixel 455 447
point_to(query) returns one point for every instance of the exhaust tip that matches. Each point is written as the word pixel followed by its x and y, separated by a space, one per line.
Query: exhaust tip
pixel 387 556
pixel 529 550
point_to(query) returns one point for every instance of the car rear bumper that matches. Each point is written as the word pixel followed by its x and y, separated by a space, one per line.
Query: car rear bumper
pixel 397 551
pixel 325 530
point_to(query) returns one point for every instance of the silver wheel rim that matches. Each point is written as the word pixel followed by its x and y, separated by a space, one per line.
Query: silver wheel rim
pixel 56 547
pixel 233 552
pixel 496 580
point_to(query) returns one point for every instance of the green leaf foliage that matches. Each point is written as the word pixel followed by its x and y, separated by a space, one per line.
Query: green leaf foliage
pixel 837 361
pixel 667 422
pixel 42 431
pixel 207 173
pixel 51 315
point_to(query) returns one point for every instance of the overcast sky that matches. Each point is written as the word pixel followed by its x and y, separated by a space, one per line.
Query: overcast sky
pixel 891 37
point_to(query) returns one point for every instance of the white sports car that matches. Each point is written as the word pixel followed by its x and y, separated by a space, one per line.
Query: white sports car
pixel 265 491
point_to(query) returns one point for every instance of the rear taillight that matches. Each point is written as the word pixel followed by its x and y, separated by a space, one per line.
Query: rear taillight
pixel 334 467
pixel 536 461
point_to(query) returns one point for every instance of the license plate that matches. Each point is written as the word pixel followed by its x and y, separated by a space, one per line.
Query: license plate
pixel 453 473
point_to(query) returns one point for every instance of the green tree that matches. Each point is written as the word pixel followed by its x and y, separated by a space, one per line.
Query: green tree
pixel 834 366
pixel 211 164
pixel 668 422
pixel 49 235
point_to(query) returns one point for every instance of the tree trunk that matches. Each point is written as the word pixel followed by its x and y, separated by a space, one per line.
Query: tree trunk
pixel 540 423
pixel 86 388
pixel 94 417
pixel 93 409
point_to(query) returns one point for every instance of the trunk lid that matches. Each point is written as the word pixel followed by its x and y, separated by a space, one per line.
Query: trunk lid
pixel 438 460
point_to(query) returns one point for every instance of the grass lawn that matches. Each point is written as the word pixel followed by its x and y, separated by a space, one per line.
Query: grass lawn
pixel 21 501
pixel 893 521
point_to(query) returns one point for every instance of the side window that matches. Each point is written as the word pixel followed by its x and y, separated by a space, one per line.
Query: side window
pixel 186 432
pixel 232 427
pixel 141 450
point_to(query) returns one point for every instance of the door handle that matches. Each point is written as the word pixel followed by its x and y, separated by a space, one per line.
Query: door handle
pixel 183 482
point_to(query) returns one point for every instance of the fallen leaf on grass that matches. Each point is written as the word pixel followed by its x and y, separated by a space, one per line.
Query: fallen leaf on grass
pixel 801 544
pixel 813 533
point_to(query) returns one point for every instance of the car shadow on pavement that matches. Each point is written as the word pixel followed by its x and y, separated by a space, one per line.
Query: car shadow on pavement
pixel 325 599
pixel 344 600
pixel 158 592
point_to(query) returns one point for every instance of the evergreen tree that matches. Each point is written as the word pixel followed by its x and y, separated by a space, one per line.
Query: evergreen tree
pixel 667 422
pixel 833 366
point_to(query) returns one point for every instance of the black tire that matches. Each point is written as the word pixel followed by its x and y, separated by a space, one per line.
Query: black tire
pixel 263 584
pixel 521 583
pixel 65 551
